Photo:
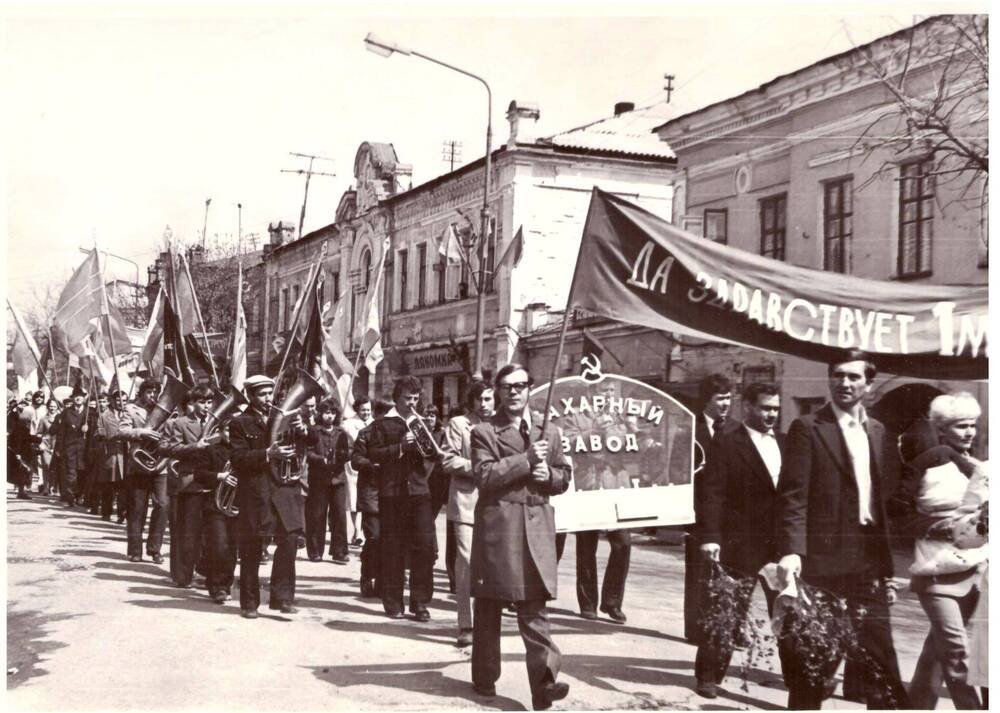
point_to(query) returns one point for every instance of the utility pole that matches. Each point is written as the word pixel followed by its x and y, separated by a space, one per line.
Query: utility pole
pixel 670 85
pixel 451 153
pixel 309 173
pixel 204 228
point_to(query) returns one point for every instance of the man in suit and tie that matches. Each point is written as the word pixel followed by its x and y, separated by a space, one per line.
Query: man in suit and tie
pixel 832 526
pixel 740 485
pixel 715 396
pixel 265 504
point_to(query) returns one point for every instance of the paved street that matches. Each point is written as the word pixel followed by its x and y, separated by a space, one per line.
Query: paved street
pixel 88 630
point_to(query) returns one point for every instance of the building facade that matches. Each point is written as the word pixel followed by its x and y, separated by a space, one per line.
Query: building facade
pixel 794 170
pixel 540 187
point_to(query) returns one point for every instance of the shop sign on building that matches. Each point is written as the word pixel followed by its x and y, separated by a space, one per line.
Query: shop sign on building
pixel 435 361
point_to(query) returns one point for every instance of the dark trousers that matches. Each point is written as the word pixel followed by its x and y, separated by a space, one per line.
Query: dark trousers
pixel 71 474
pixel 141 488
pixel 711 663
pixel 880 669
pixel 541 655
pixel 371 560
pixel 695 572
pixel 407 528
pixel 317 504
pixel 613 587
pixel 108 492
pixel 338 521
pixel 185 534
pixel 450 552
pixel 220 547
pixel 282 566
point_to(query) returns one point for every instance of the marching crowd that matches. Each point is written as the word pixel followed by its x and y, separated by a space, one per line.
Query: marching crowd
pixel 815 501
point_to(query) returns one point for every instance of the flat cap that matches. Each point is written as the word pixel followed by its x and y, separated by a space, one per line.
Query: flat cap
pixel 256 381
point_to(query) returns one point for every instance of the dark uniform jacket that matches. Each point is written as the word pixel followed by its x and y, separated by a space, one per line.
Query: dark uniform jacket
pixel 513 541
pixel 71 437
pixel 740 502
pixel 367 477
pixel 327 453
pixel 259 496
pixel 399 471
pixel 180 438
pixel 818 499
pixel 111 449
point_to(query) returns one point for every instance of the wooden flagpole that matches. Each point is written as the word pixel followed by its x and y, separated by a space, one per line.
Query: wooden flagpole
pixel 298 314
pixel 201 322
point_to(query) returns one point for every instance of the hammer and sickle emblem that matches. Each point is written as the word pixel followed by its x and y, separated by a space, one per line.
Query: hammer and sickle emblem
pixel 592 369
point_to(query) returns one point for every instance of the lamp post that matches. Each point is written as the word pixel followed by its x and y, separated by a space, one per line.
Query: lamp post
pixel 385 48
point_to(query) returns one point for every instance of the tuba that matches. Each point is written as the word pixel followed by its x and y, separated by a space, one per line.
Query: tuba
pixel 174 392
pixel 426 444
pixel 305 388
pixel 225 494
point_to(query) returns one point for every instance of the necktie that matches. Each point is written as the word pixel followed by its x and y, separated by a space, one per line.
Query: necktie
pixel 525 433
pixel 720 422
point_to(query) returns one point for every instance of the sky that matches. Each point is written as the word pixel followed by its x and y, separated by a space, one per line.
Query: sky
pixel 123 119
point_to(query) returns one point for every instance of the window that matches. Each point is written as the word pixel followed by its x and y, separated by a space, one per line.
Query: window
pixel 284 322
pixel 772 227
pixel 442 277
pixel 366 269
pixel 716 225
pixel 403 279
pixel 491 255
pixel 335 283
pixel 296 293
pixel 354 312
pixel 838 210
pixel 421 273
pixel 916 218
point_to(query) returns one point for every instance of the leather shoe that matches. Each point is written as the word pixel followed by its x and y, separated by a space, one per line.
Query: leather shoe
pixel 283 607
pixel 314 558
pixel 395 614
pixel 157 558
pixel 488 691
pixel 421 614
pixel 135 558
pixel 616 614
pixel 588 614
pixel 368 588
pixel 707 689
pixel 248 613
pixel 464 638
pixel 219 596
pixel 550 693
pixel 341 560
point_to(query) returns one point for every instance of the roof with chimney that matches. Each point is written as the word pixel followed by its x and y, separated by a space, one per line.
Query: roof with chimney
pixel 630 133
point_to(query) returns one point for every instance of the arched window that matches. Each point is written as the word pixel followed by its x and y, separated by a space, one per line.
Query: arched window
pixel 366 268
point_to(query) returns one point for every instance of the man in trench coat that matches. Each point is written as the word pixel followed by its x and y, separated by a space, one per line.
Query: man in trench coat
pixel 513 543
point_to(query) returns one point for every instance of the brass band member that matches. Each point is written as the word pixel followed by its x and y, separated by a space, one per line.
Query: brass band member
pixel 391 450
pixel 514 538
pixel 140 486
pixel 264 502
pixel 184 439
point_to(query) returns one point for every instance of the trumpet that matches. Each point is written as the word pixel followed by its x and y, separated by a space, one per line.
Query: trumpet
pixel 225 494
pixel 305 388
pixel 174 392
pixel 426 444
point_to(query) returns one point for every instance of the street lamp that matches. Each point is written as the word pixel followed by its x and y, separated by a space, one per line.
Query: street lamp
pixel 385 48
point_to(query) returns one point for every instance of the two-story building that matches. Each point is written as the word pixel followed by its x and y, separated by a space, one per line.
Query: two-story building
pixel 801 169
pixel 540 186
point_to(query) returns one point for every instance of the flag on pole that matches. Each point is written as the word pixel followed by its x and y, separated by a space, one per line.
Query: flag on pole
pixel 369 332
pixel 514 250
pixel 83 302
pixel 25 354
pixel 335 368
pixel 449 246
pixel 238 357
pixel 152 345
pixel 305 341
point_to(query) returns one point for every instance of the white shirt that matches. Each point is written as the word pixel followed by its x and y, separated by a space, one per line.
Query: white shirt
pixel 710 423
pixel 856 437
pixel 767 447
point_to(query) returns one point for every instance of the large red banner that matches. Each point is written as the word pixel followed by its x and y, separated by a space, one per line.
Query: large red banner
pixel 635 267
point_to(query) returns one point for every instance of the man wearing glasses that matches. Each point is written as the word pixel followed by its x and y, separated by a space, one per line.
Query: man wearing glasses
pixel 513 541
